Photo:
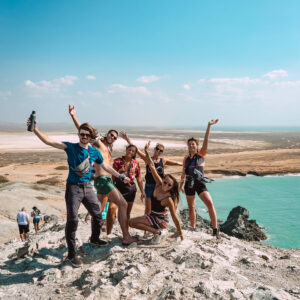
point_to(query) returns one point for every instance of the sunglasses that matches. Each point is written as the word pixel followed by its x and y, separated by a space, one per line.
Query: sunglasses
pixel 166 183
pixel 158 149
pixel 113 136
pixel 84 134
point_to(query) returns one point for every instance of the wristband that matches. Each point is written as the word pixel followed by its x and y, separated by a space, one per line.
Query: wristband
pixel 122 177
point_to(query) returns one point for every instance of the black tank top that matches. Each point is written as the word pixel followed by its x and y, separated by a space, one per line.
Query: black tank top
pixel 192 163
pixel 159 169
pixel 156 206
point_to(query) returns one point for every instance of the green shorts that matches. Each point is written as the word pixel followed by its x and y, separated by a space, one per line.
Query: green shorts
pixel 103 184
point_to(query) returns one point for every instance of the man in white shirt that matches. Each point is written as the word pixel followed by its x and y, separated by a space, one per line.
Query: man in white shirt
pixel 23 223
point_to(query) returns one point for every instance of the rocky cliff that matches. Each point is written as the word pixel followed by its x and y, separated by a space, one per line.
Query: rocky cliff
pixel 200 267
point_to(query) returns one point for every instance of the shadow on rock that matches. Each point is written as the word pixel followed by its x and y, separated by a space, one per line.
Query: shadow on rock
pixel 26 269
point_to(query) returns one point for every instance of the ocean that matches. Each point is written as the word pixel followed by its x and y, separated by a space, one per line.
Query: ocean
pixel 273 201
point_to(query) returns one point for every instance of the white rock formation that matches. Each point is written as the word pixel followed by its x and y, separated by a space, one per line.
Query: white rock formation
pixel 200 267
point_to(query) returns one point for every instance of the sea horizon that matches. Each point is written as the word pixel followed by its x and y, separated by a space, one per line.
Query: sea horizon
pixel 62 127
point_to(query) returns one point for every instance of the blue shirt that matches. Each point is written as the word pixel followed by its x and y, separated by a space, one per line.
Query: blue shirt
pixel 76 154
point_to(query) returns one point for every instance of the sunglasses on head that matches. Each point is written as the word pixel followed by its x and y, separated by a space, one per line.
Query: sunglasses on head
pixel 168 184
pixel 84 134
pixel 158 149
pixel 113 136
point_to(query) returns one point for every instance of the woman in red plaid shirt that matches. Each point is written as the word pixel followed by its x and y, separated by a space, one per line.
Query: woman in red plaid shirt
pixel 130 167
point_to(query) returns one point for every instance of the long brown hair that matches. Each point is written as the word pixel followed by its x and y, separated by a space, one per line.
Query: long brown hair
pixel 174 191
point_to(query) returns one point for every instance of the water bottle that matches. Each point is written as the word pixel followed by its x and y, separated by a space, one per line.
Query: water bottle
pixel 32 119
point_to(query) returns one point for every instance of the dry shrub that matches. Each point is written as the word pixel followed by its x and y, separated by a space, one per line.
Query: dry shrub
pixel 38 188
pixel 3 179
pixel 62 168
pixel 50 181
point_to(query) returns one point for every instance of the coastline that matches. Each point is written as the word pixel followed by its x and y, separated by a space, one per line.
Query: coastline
pixel 23 168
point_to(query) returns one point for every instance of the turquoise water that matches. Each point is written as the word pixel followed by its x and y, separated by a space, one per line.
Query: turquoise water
pixel 274 202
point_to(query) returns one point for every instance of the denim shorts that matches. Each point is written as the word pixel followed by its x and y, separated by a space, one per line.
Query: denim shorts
pixel 149 189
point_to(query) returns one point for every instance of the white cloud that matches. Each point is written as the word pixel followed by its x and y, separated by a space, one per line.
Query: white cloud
pixel 201 80
pixel 5 95
pixel 148 79
pixel 288 83
pixel 52 87
pixel 186 86
pixel 120 88
pixel 66 80
pixel 90 77
pixel 276 74
pixel 93 94
pixel 238 80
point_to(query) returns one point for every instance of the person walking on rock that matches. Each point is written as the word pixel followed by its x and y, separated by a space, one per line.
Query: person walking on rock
pixel 192 173
pixel 36 214
pixel 23 224
pixel 165 195
pixel 79 189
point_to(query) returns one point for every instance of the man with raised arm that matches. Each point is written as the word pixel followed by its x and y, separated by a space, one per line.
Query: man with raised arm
pixel 79 189
pixel 103 181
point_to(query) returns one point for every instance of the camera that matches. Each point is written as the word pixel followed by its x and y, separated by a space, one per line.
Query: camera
pixel 200 176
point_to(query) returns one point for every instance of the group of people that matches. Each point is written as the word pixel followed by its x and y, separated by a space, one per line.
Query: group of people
pixel 115 182
pixel 23 221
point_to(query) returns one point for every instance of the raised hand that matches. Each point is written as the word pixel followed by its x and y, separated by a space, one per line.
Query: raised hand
pixel 123 135
pixel 72 110
pixel 147 146
pixel 213 122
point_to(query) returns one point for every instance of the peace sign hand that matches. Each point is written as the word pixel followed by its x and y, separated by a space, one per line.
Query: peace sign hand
pixel 213 122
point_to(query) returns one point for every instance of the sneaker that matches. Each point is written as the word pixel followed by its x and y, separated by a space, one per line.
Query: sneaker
pixel 75 261
pixel 156 239
pixel 98 242
pixel 216 233
pixel 147 234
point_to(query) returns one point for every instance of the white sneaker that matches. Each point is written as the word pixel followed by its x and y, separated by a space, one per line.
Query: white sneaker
pixel 147 234
pixel 156 239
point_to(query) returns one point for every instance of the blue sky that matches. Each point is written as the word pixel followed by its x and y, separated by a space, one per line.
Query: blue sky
pixel 157 63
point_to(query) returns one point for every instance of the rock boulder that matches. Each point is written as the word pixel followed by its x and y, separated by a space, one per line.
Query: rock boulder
pixel 238 225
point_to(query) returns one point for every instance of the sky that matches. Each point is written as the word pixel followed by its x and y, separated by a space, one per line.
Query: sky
pixel 164 63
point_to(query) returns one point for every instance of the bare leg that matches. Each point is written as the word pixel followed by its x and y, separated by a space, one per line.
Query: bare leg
pixel 129 208
pixel 206 198
pixel 116 197
pixel 142 224
pixel 147 206
pixel 21 237
pixel 103 200
pixel 35 227
pixel 192 210
pixel 111 216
